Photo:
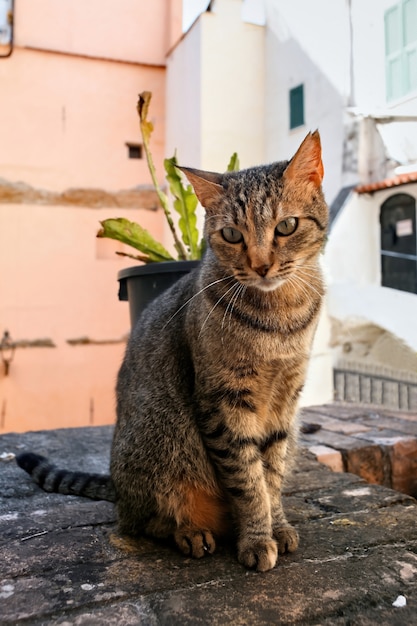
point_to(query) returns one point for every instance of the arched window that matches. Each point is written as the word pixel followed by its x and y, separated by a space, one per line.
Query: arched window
pixel 399 243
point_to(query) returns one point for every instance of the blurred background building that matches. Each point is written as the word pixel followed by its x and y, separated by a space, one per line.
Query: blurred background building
pixel 70 156
pixel 252 76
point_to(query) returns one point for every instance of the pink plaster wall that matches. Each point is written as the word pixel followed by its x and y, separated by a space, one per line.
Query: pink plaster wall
pixel 67 108
pixel 58 283
pixel 129 30
pixel 65 120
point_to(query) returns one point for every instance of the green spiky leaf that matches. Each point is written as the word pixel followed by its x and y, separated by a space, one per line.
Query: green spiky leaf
pixel 185 203
pixel 234 164
pixel 134 235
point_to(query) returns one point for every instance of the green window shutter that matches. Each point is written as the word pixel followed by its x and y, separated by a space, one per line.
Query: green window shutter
pixel 410 43
pixel 401 49
pixel 411 69
pixel 393 36
pixel 410 21
pixel 297 106
pixel 394 78
pixel 393 46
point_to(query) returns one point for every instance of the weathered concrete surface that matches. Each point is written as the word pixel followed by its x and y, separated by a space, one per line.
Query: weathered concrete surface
pixel 20 193
pixel 378 444
pixel 62 561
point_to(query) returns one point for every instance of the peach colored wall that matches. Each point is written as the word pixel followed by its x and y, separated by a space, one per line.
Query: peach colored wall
pixel 58 282
pixel 67 108
pixel 65 120
pixel 59 387
pixel 130 30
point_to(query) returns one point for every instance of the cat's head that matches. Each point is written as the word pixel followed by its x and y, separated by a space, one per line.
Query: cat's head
pixel 265 223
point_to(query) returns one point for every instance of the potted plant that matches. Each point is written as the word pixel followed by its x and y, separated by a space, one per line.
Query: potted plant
pixel 159 269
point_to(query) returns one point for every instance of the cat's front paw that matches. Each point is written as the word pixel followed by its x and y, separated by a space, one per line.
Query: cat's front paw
pixel 287 538
pixel 260 555
pixel 195 543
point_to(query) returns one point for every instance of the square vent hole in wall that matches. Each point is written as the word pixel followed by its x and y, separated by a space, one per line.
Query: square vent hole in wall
pixel 134 150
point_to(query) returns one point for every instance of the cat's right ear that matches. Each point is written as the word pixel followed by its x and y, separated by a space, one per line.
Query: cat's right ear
pixel 207 185
pixel 306 164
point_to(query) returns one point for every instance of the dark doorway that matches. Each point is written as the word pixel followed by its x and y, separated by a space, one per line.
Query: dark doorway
pixel 399 243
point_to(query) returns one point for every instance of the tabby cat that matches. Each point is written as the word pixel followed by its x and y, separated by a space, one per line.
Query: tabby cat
pixel 207 393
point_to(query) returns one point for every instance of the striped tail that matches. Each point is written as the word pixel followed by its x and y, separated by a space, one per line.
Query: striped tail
pixel 50 478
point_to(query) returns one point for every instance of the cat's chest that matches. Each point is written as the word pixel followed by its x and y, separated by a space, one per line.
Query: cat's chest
pixel 262 347
pixel 254 396
pixel 255 378
pixel 264 332
pixel 263 365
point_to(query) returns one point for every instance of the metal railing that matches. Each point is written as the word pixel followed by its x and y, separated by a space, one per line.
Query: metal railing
pixel 367 388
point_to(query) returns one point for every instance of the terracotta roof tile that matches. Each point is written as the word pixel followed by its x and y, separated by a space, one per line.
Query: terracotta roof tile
pixel 401 179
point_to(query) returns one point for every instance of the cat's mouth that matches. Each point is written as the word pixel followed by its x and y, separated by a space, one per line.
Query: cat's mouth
pixel 263 283
pixel 269 284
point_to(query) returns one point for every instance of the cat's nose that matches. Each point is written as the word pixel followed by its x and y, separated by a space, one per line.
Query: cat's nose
pixel 262 270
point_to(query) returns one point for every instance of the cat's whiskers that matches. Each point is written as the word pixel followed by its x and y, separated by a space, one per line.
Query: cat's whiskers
pixel 309 267
pixel 297 285
pixel 283 275
pixel 241 294
pixel 309 285
pixel 302 264
pixel 310 273
pixel 307 273
pixel 308 270
pixel 217 303
pixel 229 309
pixel 229 304
pixel 214 282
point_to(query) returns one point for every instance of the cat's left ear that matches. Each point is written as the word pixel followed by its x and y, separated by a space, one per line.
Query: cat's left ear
pixel 207 185
pixel 306 164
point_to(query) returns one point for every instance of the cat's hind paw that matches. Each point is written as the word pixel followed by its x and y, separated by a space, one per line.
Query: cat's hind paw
pixel 287 538
pixel 260 555
pixel 195 543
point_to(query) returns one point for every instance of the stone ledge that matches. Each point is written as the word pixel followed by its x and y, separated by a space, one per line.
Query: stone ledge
pixel 63 562
pixel 21 193
pixel 375 443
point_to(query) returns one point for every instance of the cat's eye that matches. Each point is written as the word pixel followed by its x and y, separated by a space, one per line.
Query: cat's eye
pixel 286 227
pixel 231 235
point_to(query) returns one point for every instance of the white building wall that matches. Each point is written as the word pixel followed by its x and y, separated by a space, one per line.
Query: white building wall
pixel 183 108
pixel 400 137
pixel 183 99
pixel 308 51
pixel 319 383
pixel 389 309
pixel 369 52
pixel 233 92
pixel 353 249
pixel 369 57
pixel 353 262
pixel 336 49
pixel 215 91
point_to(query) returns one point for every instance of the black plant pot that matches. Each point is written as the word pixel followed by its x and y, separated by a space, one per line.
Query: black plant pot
pixel 142 283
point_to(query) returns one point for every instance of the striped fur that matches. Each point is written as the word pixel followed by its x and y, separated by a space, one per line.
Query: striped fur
pixel 52 479
pixel 207 393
